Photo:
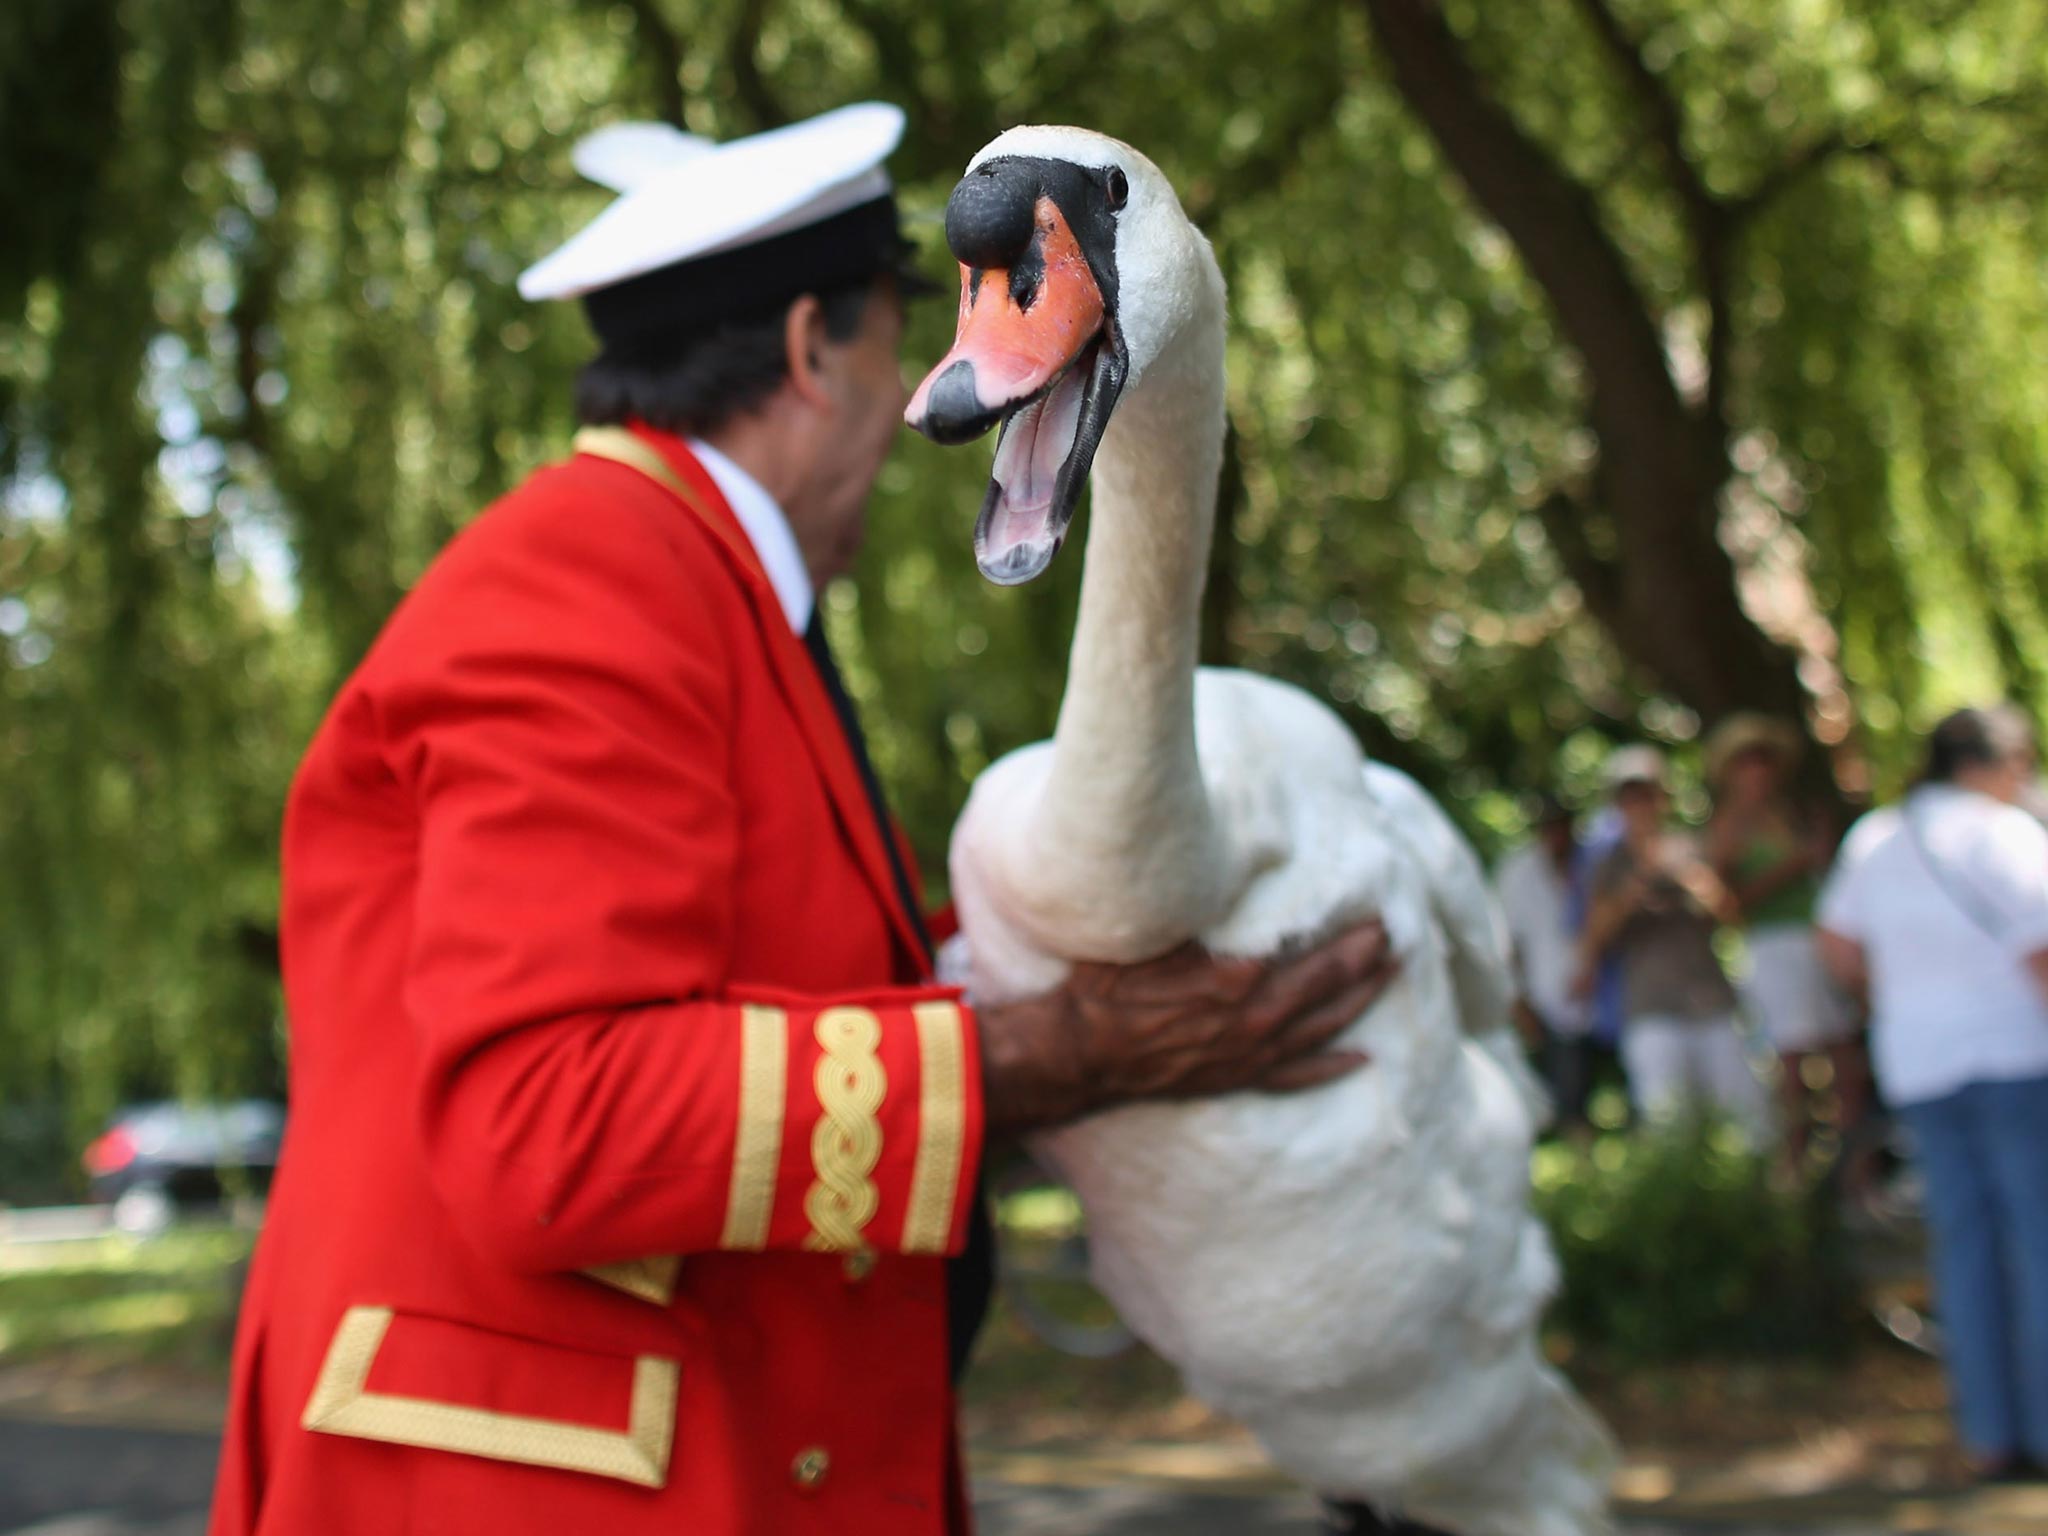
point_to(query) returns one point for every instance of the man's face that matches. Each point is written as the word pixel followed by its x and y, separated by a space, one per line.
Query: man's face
pixel 865 384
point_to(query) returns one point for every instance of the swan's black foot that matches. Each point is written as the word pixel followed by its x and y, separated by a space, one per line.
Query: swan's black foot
pixel 1362 1520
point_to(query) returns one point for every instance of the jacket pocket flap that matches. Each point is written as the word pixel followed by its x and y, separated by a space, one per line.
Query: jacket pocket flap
pixel 450 1386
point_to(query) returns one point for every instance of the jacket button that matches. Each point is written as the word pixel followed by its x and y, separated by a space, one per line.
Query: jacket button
pixel 810 1467
pixel 859 1264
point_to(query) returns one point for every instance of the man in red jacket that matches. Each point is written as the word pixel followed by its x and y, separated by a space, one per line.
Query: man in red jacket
pixel 630 1137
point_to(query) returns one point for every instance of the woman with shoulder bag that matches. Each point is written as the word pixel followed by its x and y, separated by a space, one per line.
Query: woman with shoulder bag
pixel 1939 906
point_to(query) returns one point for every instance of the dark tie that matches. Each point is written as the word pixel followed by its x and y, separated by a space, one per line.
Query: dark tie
pixel 849 722
pixel 971 1277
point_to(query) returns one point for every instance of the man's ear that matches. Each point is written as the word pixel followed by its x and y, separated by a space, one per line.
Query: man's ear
pixel 803 346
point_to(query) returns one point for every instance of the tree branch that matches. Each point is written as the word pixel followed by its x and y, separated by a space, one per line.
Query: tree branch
pixel 743 59
pixel 664 49
pixel 1912 102
pixel 1564 519
pixel 1667 124
pixel 1706 215
pixel 1552 219
pixel 1799 164
pixel 933 122
pixel 1278 152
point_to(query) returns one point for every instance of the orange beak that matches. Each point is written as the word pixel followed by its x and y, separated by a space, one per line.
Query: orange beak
pixel 1019 329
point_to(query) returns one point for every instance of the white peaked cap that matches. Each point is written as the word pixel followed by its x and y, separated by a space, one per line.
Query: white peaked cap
pixel 682 196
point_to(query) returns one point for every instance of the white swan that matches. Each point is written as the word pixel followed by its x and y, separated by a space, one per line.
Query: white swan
pixel 1354 1272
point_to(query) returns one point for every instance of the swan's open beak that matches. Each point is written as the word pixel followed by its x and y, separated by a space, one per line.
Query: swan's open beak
pixel 1035 350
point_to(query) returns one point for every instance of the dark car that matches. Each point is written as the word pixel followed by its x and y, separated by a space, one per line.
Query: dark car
pixel 157 1160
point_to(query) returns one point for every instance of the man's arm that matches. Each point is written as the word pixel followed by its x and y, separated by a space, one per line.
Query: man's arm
pixel 1186 1025
pixel 1845 960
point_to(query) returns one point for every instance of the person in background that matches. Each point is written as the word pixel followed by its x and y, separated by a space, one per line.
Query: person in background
pixel 1534 887
pixel 1939 907
pixel 1656 904
pixel 1598 981
pixel 1771 855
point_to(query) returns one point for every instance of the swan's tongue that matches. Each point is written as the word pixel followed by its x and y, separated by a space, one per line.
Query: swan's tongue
pixel 1018 534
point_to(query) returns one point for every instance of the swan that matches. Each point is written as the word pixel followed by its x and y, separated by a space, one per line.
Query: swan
pixel 1353 1272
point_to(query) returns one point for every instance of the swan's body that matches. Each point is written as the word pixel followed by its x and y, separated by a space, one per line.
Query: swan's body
pixel 1354 1271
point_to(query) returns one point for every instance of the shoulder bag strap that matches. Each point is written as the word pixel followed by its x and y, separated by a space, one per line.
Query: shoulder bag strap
pixel 1952 885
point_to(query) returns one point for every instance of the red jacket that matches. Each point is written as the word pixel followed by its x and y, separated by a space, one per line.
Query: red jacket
pixel 594 959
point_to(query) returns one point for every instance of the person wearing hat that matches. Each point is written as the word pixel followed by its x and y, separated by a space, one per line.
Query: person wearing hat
pixel 1656 905
pixel 1535 888
pixel 1771 857
pixel 630 1137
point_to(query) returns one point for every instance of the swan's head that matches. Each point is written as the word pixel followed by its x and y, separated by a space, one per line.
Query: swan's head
pixel 1077 268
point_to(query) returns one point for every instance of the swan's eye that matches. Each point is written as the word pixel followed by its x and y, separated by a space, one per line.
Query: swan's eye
pixel 1119 189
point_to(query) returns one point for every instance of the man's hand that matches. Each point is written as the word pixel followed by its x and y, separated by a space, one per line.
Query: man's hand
pixel 1183 1026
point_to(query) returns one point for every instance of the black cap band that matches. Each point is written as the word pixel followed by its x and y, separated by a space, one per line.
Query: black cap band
pixel 651 316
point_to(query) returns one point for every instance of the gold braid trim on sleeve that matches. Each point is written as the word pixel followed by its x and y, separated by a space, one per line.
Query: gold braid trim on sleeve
pixel 846 1143
pixel 757 1148
pixel 942 1127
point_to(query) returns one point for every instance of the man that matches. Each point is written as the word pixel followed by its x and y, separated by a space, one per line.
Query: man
pixel 1535 888
pixel 1656 905
pixel 629 1137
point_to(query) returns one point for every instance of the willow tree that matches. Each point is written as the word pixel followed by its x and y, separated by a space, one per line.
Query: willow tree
pixel 1596 366
pixel 1769 160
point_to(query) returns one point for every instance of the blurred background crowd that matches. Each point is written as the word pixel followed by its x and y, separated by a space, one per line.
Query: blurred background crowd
pixel 1709 971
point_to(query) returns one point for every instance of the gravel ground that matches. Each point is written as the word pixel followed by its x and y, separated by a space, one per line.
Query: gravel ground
pixel 89 1480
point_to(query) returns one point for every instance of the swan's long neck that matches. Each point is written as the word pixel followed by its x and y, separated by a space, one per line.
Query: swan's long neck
pixel 1125 818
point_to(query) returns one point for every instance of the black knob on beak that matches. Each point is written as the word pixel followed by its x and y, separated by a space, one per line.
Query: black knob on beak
pixel 953 410
pixel 990 216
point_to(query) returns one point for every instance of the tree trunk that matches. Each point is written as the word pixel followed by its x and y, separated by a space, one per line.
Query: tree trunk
pixel 1662 585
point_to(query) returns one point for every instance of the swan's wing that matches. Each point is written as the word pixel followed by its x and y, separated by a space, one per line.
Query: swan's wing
pixel 1458 894
pixel 1471 921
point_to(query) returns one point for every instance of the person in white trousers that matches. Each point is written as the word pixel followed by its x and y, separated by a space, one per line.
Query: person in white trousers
pixel 1656 904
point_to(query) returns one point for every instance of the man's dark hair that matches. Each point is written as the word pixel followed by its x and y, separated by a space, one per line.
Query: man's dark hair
pixel 1976 738
pixel 698 385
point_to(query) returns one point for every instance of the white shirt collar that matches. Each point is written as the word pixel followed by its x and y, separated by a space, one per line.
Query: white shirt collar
pixel 767 528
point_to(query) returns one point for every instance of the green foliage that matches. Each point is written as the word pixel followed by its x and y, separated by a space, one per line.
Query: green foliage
pixel 1678 1245
pixel 36 1165
pixel 260 355
pixel 120 1301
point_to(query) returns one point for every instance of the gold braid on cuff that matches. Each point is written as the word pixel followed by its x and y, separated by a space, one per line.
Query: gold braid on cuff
pixel 846 1143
